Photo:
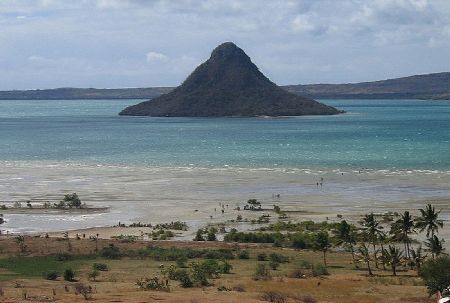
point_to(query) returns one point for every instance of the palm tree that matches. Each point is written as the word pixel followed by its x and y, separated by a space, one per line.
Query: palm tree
pixel 345 235
pixel 383 239
pixel 418 257
pixel 402 228
pixel 435 246
pixel 394 255
pixel 373 229
pixel 365 257
pixel 429 221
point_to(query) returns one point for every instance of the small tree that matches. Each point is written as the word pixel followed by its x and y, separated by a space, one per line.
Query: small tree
pixel 436 274
pixel 21 241
pixel 322 243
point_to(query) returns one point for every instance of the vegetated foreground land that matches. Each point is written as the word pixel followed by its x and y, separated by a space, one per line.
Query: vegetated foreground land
pixel 37 269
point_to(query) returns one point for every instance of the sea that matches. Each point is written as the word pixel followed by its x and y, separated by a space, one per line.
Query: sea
pixel 373 134
pixel 381 155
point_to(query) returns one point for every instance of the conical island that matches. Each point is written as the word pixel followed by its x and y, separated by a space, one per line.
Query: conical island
pixel 228 84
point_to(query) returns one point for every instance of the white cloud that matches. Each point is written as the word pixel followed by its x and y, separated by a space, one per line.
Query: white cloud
pixel 112 4
pixel 156 57
pixel 302 23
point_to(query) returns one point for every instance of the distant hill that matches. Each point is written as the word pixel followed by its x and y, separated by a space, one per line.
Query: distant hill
pixel 429 86
pixel 84 93
pixel 228 84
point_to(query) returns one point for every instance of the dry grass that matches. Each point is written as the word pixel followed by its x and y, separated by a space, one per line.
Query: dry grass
pixel 118 284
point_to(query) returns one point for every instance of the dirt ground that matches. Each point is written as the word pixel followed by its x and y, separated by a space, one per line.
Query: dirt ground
pixel 344 284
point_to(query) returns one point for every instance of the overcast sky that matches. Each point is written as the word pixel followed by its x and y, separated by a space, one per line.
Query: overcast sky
pixel 142 43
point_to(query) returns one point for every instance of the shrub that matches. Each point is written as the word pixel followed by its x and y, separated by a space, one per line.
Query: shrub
pixel 84 290
pixel 176 273
pixel 297 274
pixel 225 267
pixel 63 257
pixel 211 268
pixel 274 265
pixel 302 240
pixel 211 235
pixel 305 264
pixel 69 275
pixel 319 270
pixel 153 284
pixel 100 267
pixel 272 296
pixel 93 275
pixel 262 257
pixel 72 200
pixel 278 258
pixel 239 288
pixel 262 273
pixel 244 254
pixel 436 274
pixel 181 261
pixel 278 242
pixel 184 278
pixel 51 275
pixel 199 235
pixel 199 276
pixel 111 252
pixel 309 299
pixel 226 254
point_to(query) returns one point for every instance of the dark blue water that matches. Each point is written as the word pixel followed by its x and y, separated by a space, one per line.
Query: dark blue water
pixel 379 134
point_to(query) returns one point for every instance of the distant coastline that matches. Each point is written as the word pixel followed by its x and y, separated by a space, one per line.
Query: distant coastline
pixel 434 86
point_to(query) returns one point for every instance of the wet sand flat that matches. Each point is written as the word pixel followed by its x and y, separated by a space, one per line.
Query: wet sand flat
pixel 192 194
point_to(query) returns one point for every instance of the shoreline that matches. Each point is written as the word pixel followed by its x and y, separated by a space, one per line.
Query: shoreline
pixel 51 210
pixel 193 195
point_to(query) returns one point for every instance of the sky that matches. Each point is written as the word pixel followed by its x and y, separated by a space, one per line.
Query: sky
pixel 145 43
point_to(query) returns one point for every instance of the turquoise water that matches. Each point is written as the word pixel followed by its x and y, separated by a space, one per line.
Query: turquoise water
pixel 377 134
